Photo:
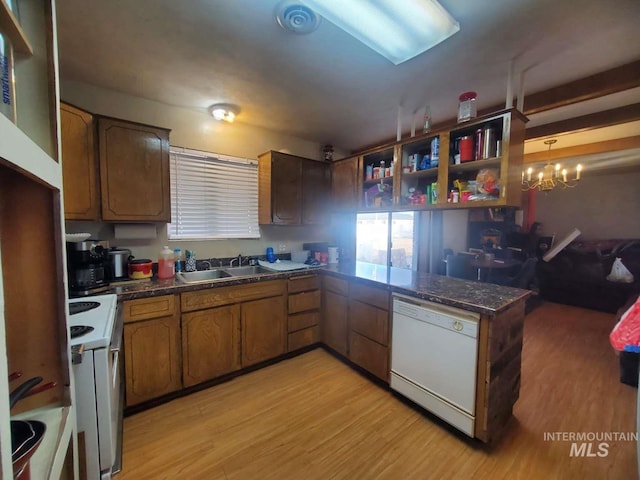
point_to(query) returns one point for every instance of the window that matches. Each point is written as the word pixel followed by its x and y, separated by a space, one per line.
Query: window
pixel 387 239
pixel 212 196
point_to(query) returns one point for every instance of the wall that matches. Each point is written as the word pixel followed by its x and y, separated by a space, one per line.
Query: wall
pixel 190 128
pixel 601 206
pixel 454 229
pixel 290 238
pixel 197 130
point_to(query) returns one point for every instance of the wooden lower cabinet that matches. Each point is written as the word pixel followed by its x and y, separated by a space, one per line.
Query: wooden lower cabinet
pixel 303 338
pixel 369 355
pixel 152 358
pixel 210 344
pixel 264 329
pixel 335 322
pixel 370 321
pixel 369 329
pixel 304 301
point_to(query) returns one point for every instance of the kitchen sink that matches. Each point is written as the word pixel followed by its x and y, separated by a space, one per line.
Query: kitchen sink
pixel 246 271
pixel 202 276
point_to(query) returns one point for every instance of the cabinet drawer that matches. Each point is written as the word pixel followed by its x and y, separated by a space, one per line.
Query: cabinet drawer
pixel 302 320
pixel 303 338
pixel 337 285
pixel 302 284
pixel 372 322
pixel 370 355
pixel 145 308
pixel 214 297
pixel 371 295
pixel 300 302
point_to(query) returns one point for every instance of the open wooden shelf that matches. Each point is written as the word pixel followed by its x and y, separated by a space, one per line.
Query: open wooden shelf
pixel 10 27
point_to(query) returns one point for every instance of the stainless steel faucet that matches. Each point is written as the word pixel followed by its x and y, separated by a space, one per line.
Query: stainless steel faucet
pixel 239 258
pixel 208 264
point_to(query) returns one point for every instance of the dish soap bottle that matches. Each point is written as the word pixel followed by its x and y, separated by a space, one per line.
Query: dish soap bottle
pixel 166 263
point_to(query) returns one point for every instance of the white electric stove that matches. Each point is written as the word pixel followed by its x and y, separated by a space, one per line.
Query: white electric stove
pixel 99 314
pixel 98 377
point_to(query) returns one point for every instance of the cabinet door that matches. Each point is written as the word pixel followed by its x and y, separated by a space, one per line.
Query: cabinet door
pixel 344 184
pixel 264 329
pixel 370 355
pixel 134 171
pixel 79 165
pixel 316 180
pixel 335 326
pixel 210 344
pixel 370 321
pixel 152 358
pixel 285 189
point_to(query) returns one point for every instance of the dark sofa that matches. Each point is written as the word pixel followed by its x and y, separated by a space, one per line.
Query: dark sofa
pixel 577 275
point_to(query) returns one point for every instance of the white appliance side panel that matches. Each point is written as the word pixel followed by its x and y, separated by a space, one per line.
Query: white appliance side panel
pixel 86 413
pixel 439 360
pixel 462 421
pixel 105 393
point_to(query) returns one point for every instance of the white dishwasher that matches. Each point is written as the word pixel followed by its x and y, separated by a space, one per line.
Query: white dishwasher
pixel 434 357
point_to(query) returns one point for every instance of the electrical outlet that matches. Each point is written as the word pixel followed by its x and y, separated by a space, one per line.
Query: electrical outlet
pixel 282 247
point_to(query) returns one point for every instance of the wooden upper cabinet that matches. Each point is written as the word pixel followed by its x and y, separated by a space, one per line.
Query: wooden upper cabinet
pixel 79 164
pixel 345 190
pixel 316 184
pixel 134 171
pixel 286 189
pixel 291 190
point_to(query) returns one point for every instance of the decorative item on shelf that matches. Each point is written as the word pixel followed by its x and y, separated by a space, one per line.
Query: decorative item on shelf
pixel 550 177
pixel 467 108
pixel 426 126
pixel 328 153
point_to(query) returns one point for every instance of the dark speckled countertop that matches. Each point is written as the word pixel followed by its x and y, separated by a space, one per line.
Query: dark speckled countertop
pixel 484 298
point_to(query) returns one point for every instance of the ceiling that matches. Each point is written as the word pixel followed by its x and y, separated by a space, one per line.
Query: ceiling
pixel 327 87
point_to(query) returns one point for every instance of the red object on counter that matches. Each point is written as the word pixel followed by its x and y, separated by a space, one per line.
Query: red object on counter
pixel 141 268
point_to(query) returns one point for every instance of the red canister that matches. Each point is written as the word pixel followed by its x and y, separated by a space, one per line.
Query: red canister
pixel 465 147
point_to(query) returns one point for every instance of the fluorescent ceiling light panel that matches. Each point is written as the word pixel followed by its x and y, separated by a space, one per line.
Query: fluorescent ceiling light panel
pixel 397 29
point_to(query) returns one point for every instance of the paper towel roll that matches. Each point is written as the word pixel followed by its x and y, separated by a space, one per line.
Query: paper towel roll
pixel 333 254
pixel 135 231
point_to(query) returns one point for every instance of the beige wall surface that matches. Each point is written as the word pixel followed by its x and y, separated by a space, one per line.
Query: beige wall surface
pixel 197 130
pixel 190 128
pixel 454 229
pixel 283 239
pixel 601 207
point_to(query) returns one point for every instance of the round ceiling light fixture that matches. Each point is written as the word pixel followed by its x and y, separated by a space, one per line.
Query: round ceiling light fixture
pixel 296 18
pixel 224 112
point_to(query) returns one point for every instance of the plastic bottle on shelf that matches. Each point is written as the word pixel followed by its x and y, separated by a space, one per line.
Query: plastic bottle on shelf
pixel 166 263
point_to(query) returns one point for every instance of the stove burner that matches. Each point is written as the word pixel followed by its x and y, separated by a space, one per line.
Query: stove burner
pixel 79 330
pixel 79 307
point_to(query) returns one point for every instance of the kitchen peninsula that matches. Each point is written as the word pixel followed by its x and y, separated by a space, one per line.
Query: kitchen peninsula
pixel 255 319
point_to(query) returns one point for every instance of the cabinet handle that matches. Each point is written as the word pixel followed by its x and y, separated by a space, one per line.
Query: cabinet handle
pixel 457 325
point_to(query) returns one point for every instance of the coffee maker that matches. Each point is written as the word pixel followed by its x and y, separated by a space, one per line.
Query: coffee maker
pixel 87 264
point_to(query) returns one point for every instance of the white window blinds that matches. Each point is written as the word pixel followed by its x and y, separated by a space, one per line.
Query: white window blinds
pixel 212 196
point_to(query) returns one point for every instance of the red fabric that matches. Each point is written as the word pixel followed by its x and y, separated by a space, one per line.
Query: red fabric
pixel 626 334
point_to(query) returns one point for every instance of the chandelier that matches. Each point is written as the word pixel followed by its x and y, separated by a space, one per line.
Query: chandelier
pixel 550 177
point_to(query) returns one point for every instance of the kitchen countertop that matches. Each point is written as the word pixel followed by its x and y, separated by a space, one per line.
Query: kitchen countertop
pixel 484 298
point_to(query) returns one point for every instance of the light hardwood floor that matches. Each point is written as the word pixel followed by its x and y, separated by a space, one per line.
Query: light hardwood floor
pixel 312 417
